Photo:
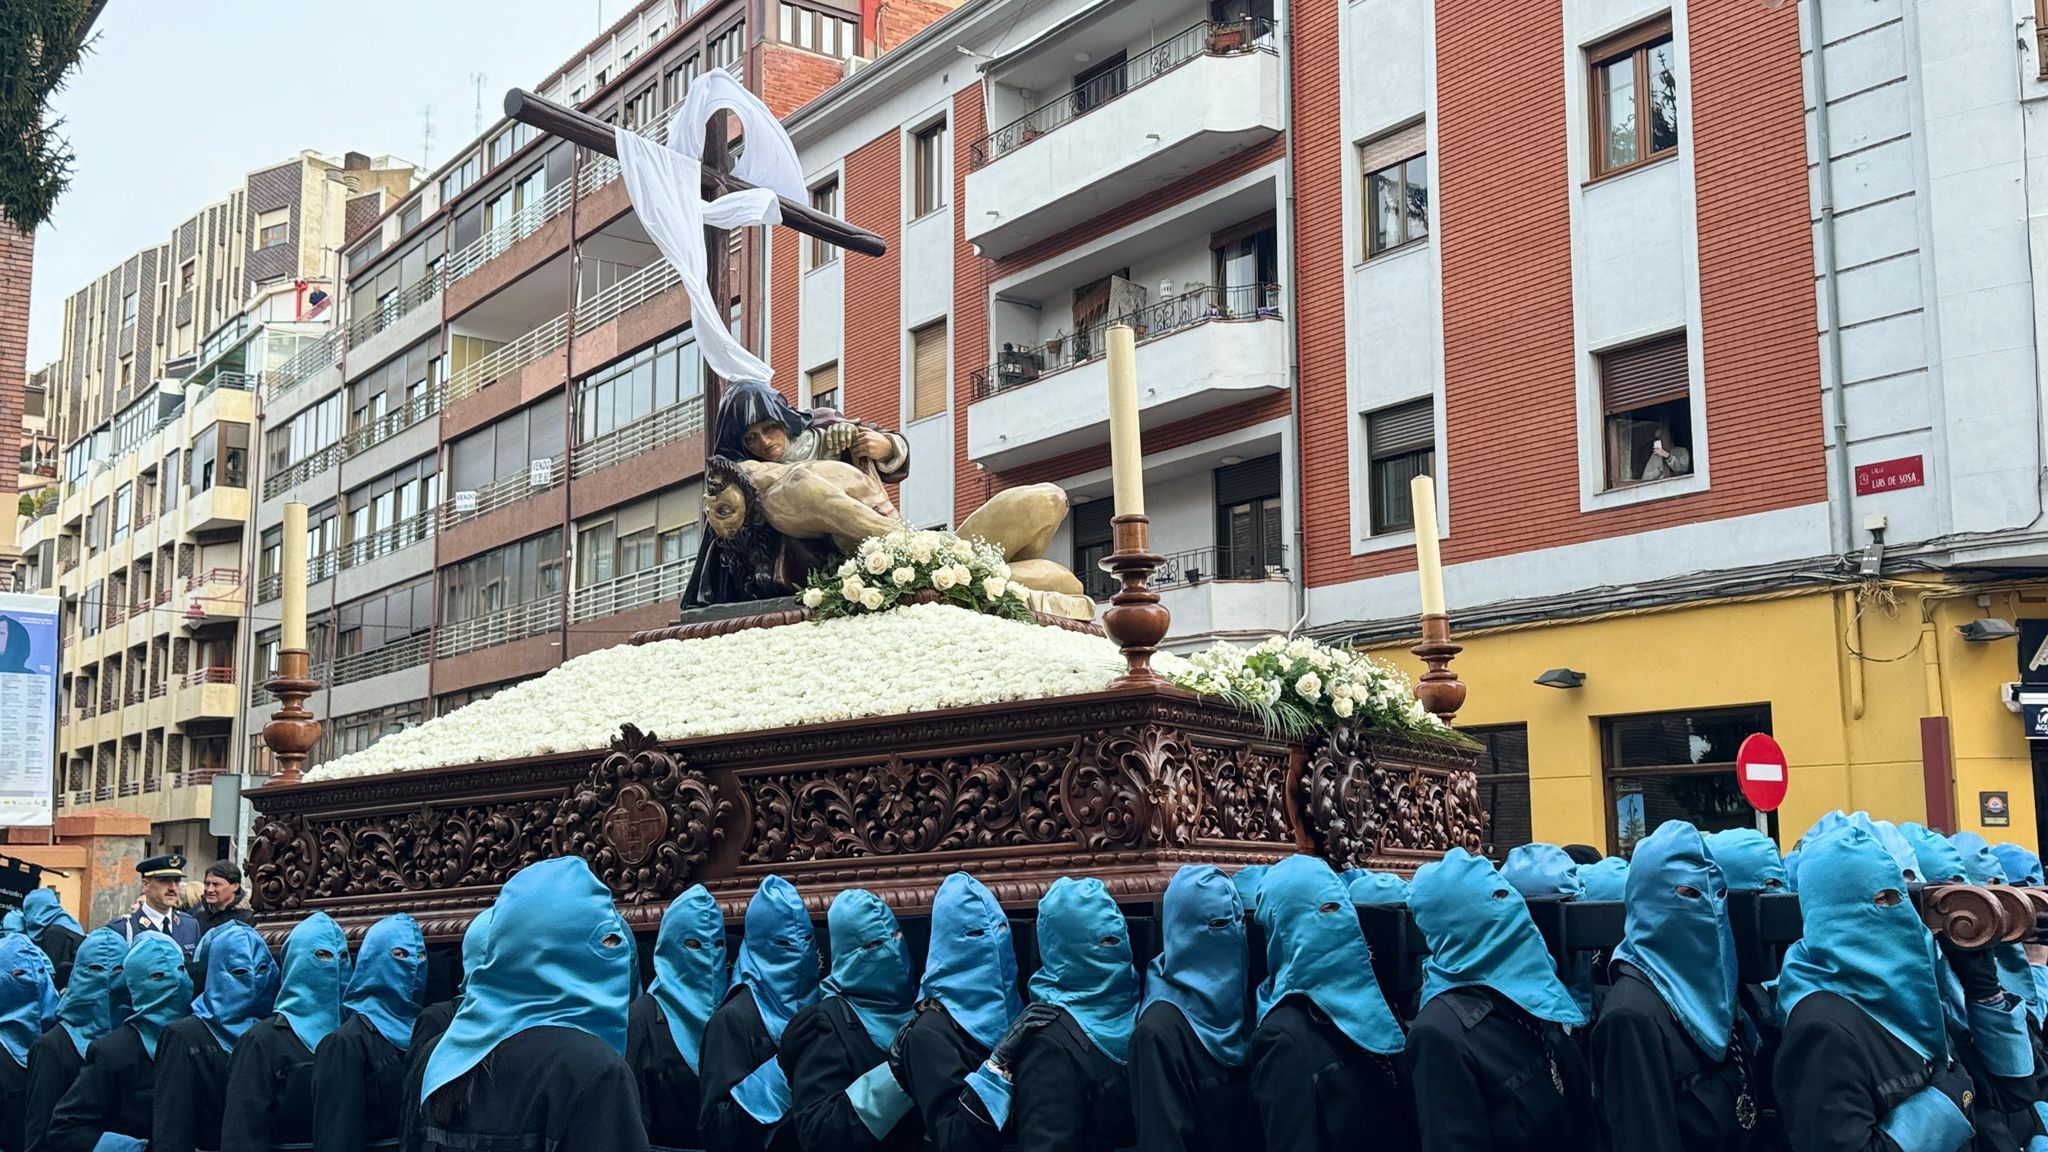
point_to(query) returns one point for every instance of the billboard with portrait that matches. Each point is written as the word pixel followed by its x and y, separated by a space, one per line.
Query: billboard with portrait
pixel 28 709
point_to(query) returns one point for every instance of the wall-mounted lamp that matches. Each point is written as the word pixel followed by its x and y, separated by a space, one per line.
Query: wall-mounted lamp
pixel 1988 629
pixel 1562 678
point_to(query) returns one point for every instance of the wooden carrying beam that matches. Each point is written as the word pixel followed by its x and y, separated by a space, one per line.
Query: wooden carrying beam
pixel 596 135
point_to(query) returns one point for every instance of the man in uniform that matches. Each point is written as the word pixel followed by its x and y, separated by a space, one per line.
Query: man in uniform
pixel 157 911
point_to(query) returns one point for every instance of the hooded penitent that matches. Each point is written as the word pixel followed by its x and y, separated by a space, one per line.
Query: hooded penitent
pixel 316 968
pixel 159 991
pixel 390 977
pixel 1604 879
pixel 1748 859
pixel 27 997
pixel 241 983
pixel 40 910
pixel 1084 950
pixel 971 967
pixel 87 1010
pixel 1314 949
pixel 690 972
pixel 778 960
pixel 2022 867
pixel 869 968
pixel 1864 941
pixel 1480 935
pixel 577 974
pixel 1540 871
pixel 1203 965
pixel 1378 889
pixel 1935 860
pixel 1247 879
pixel 1678 933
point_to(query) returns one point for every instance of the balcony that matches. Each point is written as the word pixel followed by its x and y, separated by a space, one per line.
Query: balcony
pixel 508 358
pixel 223 506
pixel 1175 108
pixel 1197 352
pixel 388 539
pixel 663 582
pixel 637 287
pixel 287 478
pixel 421 407
pixel 410 652
pixel 465 506
pixel 598 171
pixel 310 362
pixel 501 627
pixel 499 240
pixel 206 694
pixel 667 426
pixel 212 597
pixel 390 311
pixel 318 568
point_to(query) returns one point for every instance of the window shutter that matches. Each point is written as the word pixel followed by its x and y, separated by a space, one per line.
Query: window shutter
pixel 928 371
pixel 1652 372
pixel 824 380
pixel 1251 480
pixel 1091 523
pixel 1394 147
pixel 1401 430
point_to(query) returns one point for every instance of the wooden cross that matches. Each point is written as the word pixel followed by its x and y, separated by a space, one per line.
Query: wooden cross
pixel 596 135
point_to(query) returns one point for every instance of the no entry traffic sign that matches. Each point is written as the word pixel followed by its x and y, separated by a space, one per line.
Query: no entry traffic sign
pixel 1760 770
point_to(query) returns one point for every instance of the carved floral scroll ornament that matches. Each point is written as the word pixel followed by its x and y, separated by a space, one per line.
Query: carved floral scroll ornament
pixel 1365 802
pixel 644 821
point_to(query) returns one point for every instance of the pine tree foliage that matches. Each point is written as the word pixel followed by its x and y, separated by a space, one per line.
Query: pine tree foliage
pixel 41 44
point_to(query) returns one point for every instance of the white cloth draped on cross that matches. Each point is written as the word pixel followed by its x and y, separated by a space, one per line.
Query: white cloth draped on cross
pixel 666 184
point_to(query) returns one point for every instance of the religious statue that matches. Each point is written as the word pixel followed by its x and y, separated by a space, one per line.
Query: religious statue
pixel 788 491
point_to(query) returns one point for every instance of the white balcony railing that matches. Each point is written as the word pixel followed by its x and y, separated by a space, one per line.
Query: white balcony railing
pixel 638 288
pixel 497 241
pixel 390 424
pixel 508 358
pixel 410 652
pixel 390 311
pixel 599 171
pixel 500 493
pixel 633 590
pixel 642 435
pixel 309 362
pixel 501 627
pixel 388 539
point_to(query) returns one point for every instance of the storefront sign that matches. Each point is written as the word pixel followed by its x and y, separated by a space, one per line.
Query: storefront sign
pixel 1993 811
pixel 2034 677
pixel 1888 475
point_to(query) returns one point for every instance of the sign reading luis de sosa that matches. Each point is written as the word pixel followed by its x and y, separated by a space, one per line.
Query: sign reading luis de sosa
pixel 2034 678
pixel 28 709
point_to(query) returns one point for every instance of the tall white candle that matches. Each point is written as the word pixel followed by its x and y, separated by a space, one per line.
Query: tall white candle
pixel 292 578
pixel 1429 564
pixel 1126 451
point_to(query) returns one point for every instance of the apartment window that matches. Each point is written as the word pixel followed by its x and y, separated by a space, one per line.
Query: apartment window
pixel 170 486
pixel 1247 267
pixel 507 450
pixel 409 217
pixel 676 81
pixel 1677 766
pixel 1503 771
pixel 273 227
pixel 654 379
pixel 1100 84
pixel 518 573
pixel 461 177
pixel 124 511
pixel 385 618
pixel 1401 444
pixel 501 148
pixel 825 199
pixel 727 49
pixel 390 387
pixel 1634 101
pixel 817 31
pixel 1092 543
pixel 928 370
pixel 127 372
pixel 1396 170
pixel 96 528
pixel 932 169
pixel 1249 541
pixel 305 434
pixel 824 386
pixel 219 455
pixel 128 308
pixel 1646 407
pixel 397 497
pixel 642 110
pixel 357 731
pixel 188 275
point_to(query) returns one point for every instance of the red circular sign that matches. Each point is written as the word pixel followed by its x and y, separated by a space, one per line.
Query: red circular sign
pixel 1760 770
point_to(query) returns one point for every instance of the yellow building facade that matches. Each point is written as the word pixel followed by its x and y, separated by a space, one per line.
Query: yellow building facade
pixel 1841 676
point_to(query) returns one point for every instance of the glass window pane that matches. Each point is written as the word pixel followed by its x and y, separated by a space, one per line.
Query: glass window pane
pixel 1617 79
pixel 1417 199
pixel 1384 190
pixel 1663 98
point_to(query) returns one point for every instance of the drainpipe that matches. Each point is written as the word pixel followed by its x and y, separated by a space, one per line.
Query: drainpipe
pixel 1841 496
pixel 1284 16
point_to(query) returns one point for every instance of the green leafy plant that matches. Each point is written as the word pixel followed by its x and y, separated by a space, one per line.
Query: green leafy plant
pixel 913 567
pixel 41 43
pixel 1298 687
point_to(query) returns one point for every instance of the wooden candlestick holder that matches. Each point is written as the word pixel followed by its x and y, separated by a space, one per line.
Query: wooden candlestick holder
pixel 1135 619
pixel 1439 689
pixel 292 731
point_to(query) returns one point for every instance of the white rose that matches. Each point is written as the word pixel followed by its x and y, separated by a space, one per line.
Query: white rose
pixel 1310 687
pixel 877 562
pixel 963 550
pixel 1321 661
pixel 852 589
pixel 942 578
pixel 1300 647
pixel 993 587
pixel 848 569
pixel 1342 706
pixel 962 574
pixel 921 551
pixel 871 599
pixel 1017 591
pixel 903 576
pixel 813 597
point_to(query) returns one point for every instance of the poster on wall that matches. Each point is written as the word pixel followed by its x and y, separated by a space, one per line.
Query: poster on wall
pixel 28 708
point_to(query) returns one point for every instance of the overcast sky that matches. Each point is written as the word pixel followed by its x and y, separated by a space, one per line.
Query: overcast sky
pixel 181 98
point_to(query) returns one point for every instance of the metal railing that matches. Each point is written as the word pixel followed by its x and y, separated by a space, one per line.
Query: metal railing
pixel 292 475
pixel 211 675
pixel 395 656
pixel 233 381
pixel 499 493
pixel 269 587
pixel 310 360
pixel 131 787
pixel 388 539
pixel 1184 569
pixel 1204 39
pixel 633 590
pixel 643 435
pixel 501 627
pixel 1015 367
pixel 232 577
pixel 158 688
pixel 509 358
pixel 497 241
pixel 384 315
pixel 599 171
pixel 638 288
pixel 390 424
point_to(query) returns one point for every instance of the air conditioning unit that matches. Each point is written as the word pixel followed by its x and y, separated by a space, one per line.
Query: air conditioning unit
pixel 856 63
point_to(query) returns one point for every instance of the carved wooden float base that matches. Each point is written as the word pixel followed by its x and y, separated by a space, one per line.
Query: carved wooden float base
pixel 699 623
pixel 1123 785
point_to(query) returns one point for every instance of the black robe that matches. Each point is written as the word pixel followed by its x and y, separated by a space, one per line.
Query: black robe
pixel 824 1050
pixel 270 1090
pixel 60 944
pixel 1482 1070
pixel 1839 1074
pixel 53 1063
pixel 433 1020
pixel 358 1081
pixel 114 1092
pixel 192 1084
pixel 937 1056
pixel 1182 1098
pixel 1067 1096
pixel 669 1102
pixel 550 1088
pixel 736 1043
pixel 1317 1090
pixel 2003 1113
pixel 1659 1091
pixel 13 1103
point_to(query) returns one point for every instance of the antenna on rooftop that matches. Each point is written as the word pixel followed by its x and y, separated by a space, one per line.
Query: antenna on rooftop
pixel 479 79
pixel 427 135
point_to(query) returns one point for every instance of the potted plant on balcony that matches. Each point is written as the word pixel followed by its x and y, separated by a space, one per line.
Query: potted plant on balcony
pixel 1227 38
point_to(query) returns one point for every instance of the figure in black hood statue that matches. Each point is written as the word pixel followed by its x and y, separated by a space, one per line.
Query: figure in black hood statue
pixel 788 491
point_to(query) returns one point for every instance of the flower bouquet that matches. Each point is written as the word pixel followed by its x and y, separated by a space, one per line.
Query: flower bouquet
pixel 910 566
pixel 1299 687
